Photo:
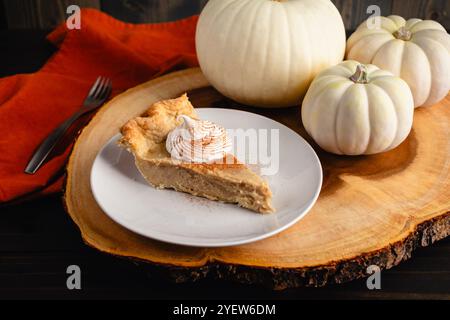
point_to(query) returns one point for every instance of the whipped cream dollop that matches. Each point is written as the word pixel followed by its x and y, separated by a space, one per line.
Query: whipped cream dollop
pixel 198 141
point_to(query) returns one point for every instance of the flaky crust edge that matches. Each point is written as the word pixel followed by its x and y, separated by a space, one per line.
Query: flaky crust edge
pixel 141 134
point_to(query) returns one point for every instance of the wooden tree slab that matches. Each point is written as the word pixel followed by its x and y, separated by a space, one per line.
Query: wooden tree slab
pixel 372 209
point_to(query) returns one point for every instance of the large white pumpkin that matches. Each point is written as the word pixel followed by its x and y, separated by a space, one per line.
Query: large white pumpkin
pixel 416 50
pixel 267 52
pixel 356 109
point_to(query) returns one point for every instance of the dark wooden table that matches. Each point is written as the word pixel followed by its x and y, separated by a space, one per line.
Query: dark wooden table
pixel 38 241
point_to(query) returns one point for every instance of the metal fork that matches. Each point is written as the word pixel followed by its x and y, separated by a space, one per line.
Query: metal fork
pixel 98 94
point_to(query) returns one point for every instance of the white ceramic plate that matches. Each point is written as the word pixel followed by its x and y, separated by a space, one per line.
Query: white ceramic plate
pixel 180 218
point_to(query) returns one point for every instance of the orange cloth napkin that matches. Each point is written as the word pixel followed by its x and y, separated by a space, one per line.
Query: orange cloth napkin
pixel 32 105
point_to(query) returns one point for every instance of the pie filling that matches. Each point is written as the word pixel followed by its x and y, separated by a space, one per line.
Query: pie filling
pixel 212 187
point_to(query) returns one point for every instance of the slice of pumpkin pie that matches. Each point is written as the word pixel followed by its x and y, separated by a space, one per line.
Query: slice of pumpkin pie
pixel 174 149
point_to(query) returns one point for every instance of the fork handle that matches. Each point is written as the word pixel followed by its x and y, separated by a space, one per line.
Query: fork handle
pixel 46 147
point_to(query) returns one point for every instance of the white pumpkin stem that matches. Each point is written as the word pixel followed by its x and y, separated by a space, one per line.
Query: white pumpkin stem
pixel 403 34
pixel 361 75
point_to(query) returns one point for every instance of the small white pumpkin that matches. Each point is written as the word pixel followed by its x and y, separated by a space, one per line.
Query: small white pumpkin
pixel 416 50
pixel 355 109
pixel 267 52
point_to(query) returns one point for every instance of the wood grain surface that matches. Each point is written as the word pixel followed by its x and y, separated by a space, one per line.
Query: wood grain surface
pixel 372 209
pixel 38 241
pixel 44 14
